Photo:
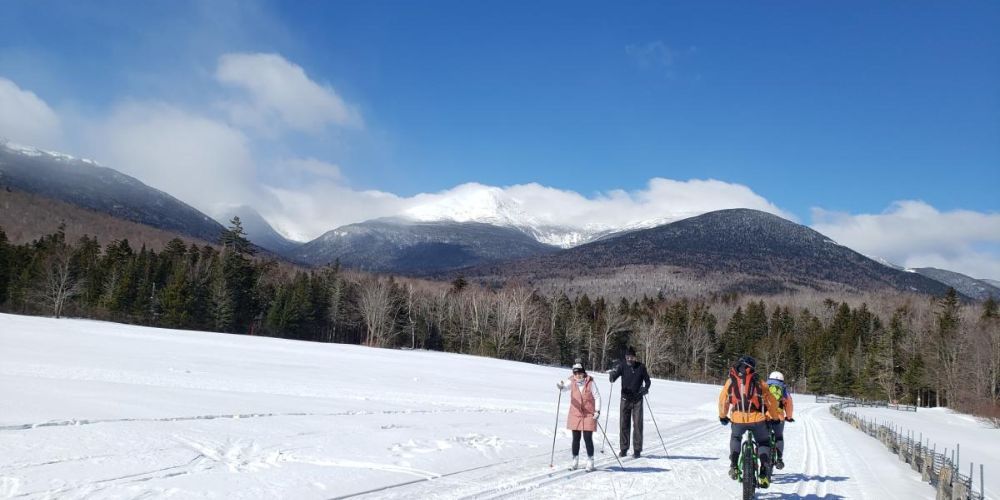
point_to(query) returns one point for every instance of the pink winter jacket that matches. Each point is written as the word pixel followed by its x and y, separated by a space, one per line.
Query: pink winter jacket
pixel 584 401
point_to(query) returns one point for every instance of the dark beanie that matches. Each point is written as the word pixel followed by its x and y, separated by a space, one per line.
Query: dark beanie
pixel 630 351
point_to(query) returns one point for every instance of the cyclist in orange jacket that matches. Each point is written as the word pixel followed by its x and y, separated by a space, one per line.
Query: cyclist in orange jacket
pixel 747 403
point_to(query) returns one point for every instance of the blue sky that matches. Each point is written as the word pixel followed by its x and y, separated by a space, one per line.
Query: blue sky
pixel 844 107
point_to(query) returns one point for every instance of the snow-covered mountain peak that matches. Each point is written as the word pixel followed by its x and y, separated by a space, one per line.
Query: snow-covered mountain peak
pixel 33 151
pixel 472 203
pixel 492 205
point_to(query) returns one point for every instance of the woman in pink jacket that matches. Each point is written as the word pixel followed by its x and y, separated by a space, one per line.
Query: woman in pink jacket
pixel 585 400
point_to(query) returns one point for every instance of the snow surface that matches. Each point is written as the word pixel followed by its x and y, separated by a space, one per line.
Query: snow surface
pixel 942 428
pixel 102 410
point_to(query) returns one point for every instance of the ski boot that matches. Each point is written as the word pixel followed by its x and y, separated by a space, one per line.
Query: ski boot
pixel 590 464
pixel 575 464
pixel 624 453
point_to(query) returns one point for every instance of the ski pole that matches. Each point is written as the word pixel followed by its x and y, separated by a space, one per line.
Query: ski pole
pixel 664 443
pixel 608 414
pixel 552 459
pixel 606 438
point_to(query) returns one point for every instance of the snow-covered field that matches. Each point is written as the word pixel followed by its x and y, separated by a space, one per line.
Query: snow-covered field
pixel 100 410
pixel 943 428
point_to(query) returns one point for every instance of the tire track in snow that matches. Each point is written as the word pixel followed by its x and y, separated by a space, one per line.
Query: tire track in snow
pixel 821 458
pixel 534 481
pixel 698 431
pixel 238 416
pixel 812 453
pixel 102 484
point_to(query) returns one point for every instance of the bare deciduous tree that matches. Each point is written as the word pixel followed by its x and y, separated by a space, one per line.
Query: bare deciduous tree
pixel 379 309
pixel 58 285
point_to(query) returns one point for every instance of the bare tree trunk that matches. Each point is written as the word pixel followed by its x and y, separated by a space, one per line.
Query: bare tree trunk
pixel 58 284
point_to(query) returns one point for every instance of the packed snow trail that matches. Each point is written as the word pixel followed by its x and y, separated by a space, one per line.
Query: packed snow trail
pixel 941 428
pixel 101 410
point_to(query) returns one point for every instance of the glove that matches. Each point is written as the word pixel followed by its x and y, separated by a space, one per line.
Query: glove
pixel 724 420
pixel 597 415
pixel 643 392
pixel 789 419
pixel 561 384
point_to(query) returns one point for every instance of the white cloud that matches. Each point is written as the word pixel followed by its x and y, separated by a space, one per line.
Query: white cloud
pixel 305 214
pixel 26 118
pixel 279 91
pixel 915 234
pixel 309 167
pixel 201 161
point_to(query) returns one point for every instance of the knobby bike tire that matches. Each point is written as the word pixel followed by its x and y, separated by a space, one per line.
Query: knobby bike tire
pixel 749 473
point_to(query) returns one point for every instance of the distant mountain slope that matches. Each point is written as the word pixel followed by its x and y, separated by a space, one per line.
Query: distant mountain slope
pixel 260 232
pixel 995 283
pixel 411 247
pixel 85 184
pixel 970 287
pixel 25 217
pixel 748 250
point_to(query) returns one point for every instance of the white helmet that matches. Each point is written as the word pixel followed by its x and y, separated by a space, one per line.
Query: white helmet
pixel 776 376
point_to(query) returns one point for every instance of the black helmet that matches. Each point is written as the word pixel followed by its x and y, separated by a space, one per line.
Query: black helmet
pixel 746 364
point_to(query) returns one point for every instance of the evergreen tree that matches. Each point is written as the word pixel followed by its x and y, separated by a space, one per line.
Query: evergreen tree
pixel 177 298
pixel 459 284
pixel 989 306
pixel 734 339
pixel 235 238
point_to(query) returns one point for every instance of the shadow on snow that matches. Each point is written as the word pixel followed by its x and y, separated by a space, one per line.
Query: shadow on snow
pixel 802 478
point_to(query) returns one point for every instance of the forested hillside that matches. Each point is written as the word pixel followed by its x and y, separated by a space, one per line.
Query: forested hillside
pixel 888 346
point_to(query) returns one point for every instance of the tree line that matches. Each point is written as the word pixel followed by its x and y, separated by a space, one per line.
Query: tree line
pixel 906 348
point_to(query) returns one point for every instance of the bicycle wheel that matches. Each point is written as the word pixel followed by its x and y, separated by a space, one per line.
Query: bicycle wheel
pixel 749 471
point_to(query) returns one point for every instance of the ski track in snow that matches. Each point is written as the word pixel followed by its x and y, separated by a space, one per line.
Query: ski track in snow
pixel 101 410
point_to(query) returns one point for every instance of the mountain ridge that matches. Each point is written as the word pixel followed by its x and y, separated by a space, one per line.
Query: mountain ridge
pixel 90 185
pixel 767 251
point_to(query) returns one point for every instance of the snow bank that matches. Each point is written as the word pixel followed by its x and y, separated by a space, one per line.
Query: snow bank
pixel 944 428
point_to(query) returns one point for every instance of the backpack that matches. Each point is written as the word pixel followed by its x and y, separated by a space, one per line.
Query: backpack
pixel 779 392
pixel 744 391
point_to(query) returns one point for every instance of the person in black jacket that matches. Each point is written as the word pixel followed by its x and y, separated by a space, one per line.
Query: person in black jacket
pixel 635 385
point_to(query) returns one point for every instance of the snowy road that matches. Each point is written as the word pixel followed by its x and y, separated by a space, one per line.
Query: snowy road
pixel 825 458
pixel 98 410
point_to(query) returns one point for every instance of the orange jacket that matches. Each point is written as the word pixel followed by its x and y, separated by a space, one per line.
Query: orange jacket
pixel 770 406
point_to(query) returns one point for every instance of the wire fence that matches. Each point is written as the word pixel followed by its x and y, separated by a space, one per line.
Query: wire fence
pixel 865 403
pixel 939 468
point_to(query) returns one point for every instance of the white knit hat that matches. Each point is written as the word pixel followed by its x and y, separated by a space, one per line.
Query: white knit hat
pixel 578 366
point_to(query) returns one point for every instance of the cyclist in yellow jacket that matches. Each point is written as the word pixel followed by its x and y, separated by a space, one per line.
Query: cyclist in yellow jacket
pixel 746 402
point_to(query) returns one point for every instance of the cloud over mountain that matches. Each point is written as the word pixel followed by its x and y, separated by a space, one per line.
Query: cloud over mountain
pixel 915 234
pixel 25 117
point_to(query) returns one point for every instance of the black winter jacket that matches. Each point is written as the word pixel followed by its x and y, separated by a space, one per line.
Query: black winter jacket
pixel 635 379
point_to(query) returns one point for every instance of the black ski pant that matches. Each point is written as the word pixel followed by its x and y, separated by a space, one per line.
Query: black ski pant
pixel 778 426
pixel 631 416
pixel 588 438
pixel 762 437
